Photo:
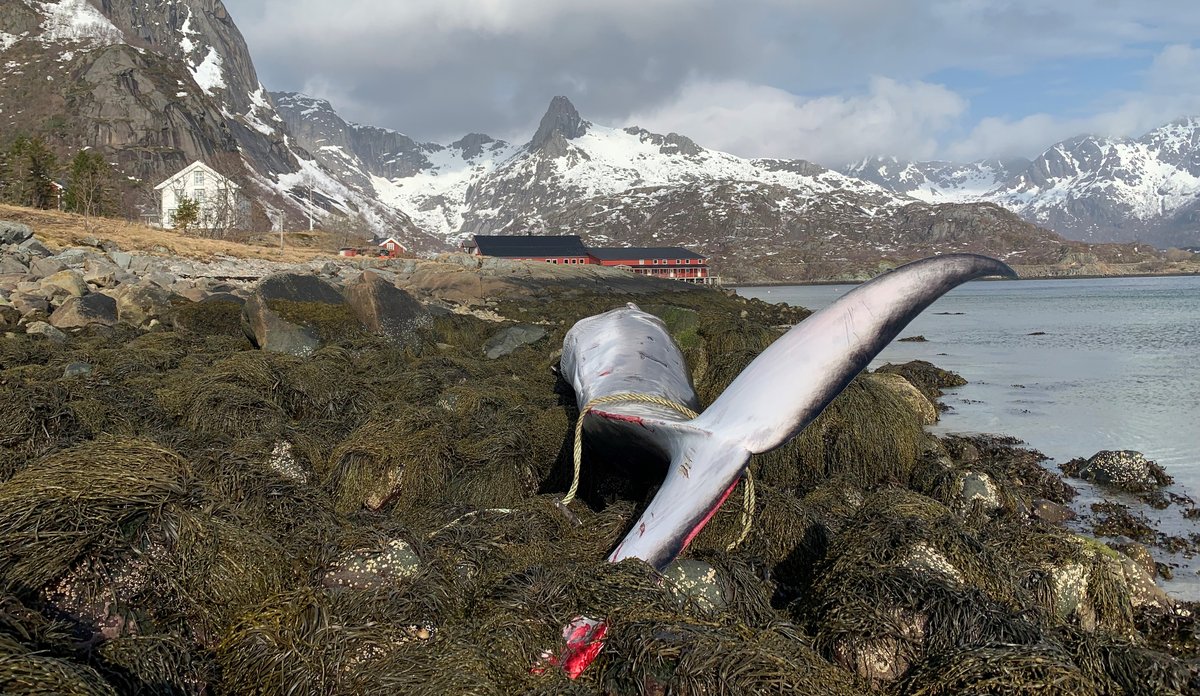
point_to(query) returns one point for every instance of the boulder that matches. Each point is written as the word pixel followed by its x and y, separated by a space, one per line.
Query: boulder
pixel 14 232
pixel 11 266
pixel 291 313
pixel 65 283
pixel 36 248
pixel 162 279
pixel 78 312
pixel 697 581
pixel 385 309
pixel 977 486
pixel 28 304
pixel 121 259
pixel 914 397
pixel 9 316
pixel 103 274
pixel 138 305
pixel 1051 512
pixel 77 369
pixel 45 267
pixel 41 328
pixel 1124 469
pixel 508 340
pixel 384 567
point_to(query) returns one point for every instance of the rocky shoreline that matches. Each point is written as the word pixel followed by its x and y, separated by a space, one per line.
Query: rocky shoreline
pixel 343 477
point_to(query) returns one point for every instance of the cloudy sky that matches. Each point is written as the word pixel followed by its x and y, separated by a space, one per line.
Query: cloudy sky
pixel 827 80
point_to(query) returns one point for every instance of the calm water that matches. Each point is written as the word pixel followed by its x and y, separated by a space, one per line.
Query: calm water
pixel 1117 367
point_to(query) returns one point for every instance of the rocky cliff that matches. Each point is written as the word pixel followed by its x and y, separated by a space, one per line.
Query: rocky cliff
pixel 156 86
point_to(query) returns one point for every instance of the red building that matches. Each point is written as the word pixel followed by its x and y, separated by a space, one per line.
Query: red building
pixel 563 249
pixel 662 262
pixel 391 247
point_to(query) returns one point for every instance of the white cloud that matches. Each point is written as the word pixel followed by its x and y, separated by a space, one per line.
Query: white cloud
pixel 1170 89
pixel 751 120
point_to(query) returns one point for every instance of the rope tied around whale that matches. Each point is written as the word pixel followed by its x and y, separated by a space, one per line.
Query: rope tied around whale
pixel 748 498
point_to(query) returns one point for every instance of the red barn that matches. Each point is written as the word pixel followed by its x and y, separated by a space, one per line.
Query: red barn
pixel 661 262
pixel 391 247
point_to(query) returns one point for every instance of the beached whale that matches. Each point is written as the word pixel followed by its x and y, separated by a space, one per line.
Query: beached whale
pixel 627 351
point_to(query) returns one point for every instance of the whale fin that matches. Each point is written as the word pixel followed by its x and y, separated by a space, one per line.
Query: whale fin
pixel 781 392
pixel 796 377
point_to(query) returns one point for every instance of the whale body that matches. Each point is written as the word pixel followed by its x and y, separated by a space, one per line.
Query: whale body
pixel 628 351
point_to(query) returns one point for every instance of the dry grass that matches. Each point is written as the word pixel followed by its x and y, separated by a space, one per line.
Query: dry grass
pixel 58 229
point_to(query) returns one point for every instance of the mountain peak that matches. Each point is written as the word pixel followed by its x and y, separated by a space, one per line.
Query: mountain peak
pixel 561 120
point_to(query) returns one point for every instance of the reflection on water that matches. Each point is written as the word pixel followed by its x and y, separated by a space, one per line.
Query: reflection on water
pixel 1070 366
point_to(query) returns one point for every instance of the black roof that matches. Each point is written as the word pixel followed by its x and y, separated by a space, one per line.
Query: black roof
pixel 514 246
pixel 620 253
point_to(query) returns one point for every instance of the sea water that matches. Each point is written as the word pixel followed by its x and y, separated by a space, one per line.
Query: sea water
pixel 1071 367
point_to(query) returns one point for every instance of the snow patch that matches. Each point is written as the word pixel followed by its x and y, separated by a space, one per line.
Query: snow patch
pixel 77 21
pixel 7 40
pixel 208 73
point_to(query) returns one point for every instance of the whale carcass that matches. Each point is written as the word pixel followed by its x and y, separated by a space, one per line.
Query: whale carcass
pixel 612 358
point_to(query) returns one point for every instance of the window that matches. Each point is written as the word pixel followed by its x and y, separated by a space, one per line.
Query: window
pixel 198 177
pixel 171 214
pixel 198 195
pixel 655 262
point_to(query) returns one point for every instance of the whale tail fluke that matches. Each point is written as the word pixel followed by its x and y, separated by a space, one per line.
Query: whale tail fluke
pixel 782 391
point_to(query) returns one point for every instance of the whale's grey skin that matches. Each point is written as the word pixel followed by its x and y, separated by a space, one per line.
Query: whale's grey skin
pixel 787 386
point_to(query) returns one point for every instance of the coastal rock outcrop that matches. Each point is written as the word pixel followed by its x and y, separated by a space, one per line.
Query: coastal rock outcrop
pixel 78 312
pixel 289 312
pixel 385 309
pixel 1124 469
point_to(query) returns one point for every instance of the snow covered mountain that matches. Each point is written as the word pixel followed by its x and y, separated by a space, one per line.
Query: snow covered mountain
pixel 757 218
pixel 155 86
pixel 937 181
pixel 1088 188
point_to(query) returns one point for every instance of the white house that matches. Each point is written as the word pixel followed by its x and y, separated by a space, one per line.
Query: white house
pixel 222 207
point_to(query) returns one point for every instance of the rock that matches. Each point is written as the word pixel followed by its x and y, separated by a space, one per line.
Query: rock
pixel 121 259
pixel 36 248
pixel 1051 512
pixel 1139 554
pixel 103 274
pixel 927 377
pixel 9 317
pixel 41 328
pixel 926 560
pixel 385 309
pixel 77 369
pixel 902 387
pixel 162 279
pixel 224 297
pixel 138 305
pixel 310 304
pixel 1069 582
pixel 1124 469
pixel 78 312
pixel 11 266
pixel 68 283
pixel 978 486
pixel 27 304
pixel 14 232
pixel 697 581
pixel 377 568
pixel 512 338
pixel 46 267
pixel 283 462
